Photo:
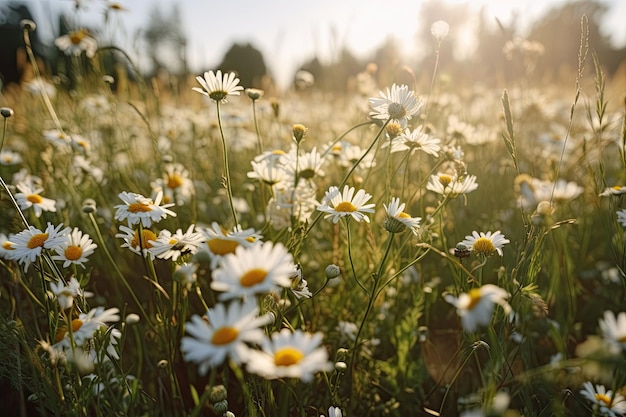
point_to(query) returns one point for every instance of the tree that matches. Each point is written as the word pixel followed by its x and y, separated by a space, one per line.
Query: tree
pixel 247 62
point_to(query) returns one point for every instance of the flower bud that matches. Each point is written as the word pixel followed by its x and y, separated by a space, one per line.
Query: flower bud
pixel 6 112
pixel 89 205
pixel 28 24
pixel 332 271
pixel 298 132
pixel 218 393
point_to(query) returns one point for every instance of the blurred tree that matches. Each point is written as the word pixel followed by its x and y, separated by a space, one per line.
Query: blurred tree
pixel 166 42
pixel 247 61
pixel 559 32
pixel 14 63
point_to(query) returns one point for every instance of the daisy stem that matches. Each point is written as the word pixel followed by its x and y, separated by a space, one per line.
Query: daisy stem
pixel 117 270
pixel 256 128
pixel 370 303
pixel 244 387
pixel 357 163
pixel 351 260
pixel 226 168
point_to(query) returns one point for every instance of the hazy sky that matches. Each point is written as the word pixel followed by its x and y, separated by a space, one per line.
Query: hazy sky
pixel 288 32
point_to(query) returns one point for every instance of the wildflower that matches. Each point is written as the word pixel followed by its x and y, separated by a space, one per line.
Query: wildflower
pixel 289 203
pixel 186 274
pixel 605 401
pixel 614 190
pixel 29 243
pixel 476 307
pixel 614 330
pixel 75 249
pixel 225 332
pixel 175 184
pixel 414 140
pixel 306 166
pixel 440 30
pixel 269 170
pixel 398 104
pixel 57 137
pixel 290 355
pixel 218 87
pixel 332 271
pixel 8 157
pixel 254 93
pixel 139 244
pixel 299 131
pixel 258 269
pixel 171 246
pixel 485 243
pixel 66 294
pixel 397 220
pixel 220 243
pixel 339 205
pixel 304 79
pixel 29 196
pixel 77 41
pixel 6 247
pixel 451 185
pixel 137 208
pixel 299 286
pixel 334 412
pixel 85 326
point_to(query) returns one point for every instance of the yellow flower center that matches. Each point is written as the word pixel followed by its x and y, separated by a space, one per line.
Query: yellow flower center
pixel 174 181
pixel 34 198
pixel 37 240
pixel 287 356
pixel 8 245
pixel 76 324
pixel 336 148
pixel 172 241
pixel 475 297
pixel 222 246
pixel 617 187
pixel 404 215
pixel 139 208
pixel 484 246
pixel 224 335
pixel 278 152
pixel 445 179
pixel 73 253
pixel 146 235
pixel 605 399
pixel 621 339
pixel 394 129
pixel 250 239
pixel 345 207
pixel 60 334
pixel 253 277
pixel 76 36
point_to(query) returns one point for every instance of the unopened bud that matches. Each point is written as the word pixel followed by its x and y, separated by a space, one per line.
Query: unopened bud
pixel 298 132
pixel 332 271
pixel 6 112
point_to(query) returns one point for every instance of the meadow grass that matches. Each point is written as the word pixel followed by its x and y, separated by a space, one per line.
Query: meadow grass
pixel 485 294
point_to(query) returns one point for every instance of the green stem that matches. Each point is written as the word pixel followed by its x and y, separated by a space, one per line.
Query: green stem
pixel 226 168
pixel 350 258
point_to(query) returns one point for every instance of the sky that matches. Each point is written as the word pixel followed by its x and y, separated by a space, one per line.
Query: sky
pixel 290 32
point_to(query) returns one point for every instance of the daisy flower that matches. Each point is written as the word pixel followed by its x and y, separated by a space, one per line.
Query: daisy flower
pixel 225 332
pixel 614 330
pixel 75 249
pixel 306 166
pixel 8 157
pixel 290 355
pixel 414 140
pixel 77 41
pixel 137 208
pixel 476 307
pixel 268 170
pixel 614 190
pixel 220 243
pixel 137 244
pixel 172 246
pixel 258 269
pixel 485 243
pixel 186 274
pixel 66 294
pixel 398 104
pixel 338 205
pixel 85 326
pixel 218 87
pixel 175 184
pixel 6 247
pixel 605 401
pixel 29 196
pixel 299 286
pixel 396 220
pixel 29 243
pixel 451 186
